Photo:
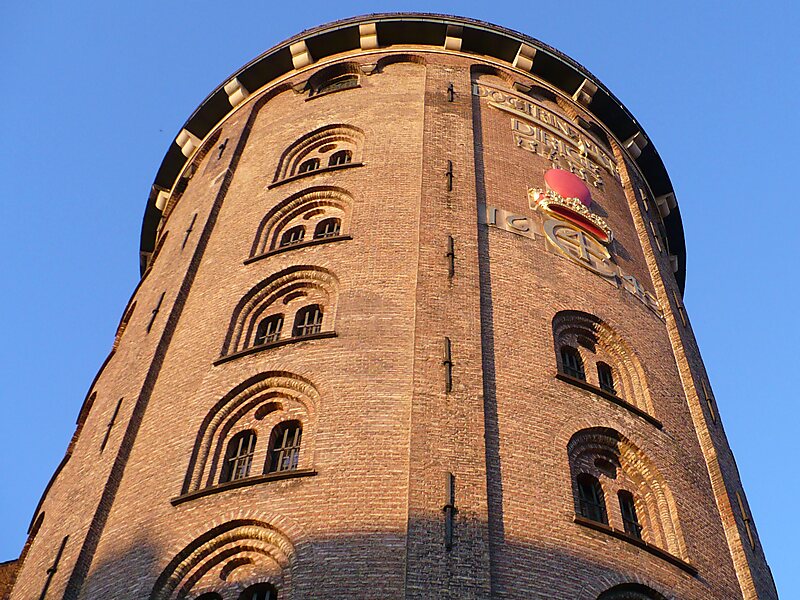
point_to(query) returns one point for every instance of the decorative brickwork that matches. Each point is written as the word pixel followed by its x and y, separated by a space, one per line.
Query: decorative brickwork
pixel 368 363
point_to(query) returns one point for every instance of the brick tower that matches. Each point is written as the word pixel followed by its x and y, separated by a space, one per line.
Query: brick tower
pixel 409 326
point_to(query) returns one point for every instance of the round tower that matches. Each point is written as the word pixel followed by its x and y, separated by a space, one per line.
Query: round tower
pixel 409 326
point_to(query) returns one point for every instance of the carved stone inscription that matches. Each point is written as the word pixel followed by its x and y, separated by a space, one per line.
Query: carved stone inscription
pixel 575 245
pixel 543 132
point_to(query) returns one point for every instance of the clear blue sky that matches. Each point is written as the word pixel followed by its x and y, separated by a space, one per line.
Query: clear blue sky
pixel 94 92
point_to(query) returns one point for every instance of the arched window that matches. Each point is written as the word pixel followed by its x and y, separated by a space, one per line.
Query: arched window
pixel 293 236
pixel 284 450
pixel 341 157
pixel 327 228
pixel 605 376
pixel 343 82
pixel 260 591
pixel 571 363
pixel 630 519
pixel 269 330
pixel 312 164
pixel 589 350
pixel 630 591
pixel 308 321
pixel 239 456
pixel 315 150
pixel 591 501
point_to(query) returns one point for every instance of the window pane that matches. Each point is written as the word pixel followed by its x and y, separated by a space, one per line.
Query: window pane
pixel 327 228
pixel 293 236
pixel 269 330
pixel 591 500
pixel 630 519
pixel 572 363
pixel 285 451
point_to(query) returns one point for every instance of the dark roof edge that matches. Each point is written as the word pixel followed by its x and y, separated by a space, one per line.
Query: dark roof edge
pixel 650 163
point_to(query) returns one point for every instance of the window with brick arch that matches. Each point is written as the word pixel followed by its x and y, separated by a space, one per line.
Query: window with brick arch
pixel 605 376
pixel 572 363
pixel 630 591
pixel 591 500
pixel 239 456
pixel 630 519
pixel 269 330
pixel 312 164
pixel 308 321
pixel 340 157
pixel 260 591
pixel 327 228
pixel 284 451
pixel 293 236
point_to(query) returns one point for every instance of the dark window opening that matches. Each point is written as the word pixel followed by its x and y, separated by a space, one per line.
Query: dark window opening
pixel 591 501
pixel 293 236
pixel 260 591
pixel 572 363
pixel 342 157
pixel 209 596
pixel 308 321
pixel 312 164
pixel 239 456
pixel 269 330
pixel 343 82
pixel 630 519
pixel 327 228
pixel 285 447
pixel 605 376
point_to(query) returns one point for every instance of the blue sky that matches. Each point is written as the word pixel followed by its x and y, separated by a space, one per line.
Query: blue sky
pixel 94 92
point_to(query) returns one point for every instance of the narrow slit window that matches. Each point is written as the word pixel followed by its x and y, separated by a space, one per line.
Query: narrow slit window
pixel 239 456
pixel 312 164
pixel 284 451
pixel 630 519
pixel 572 363
pixel 605 375
pixel 269 330
pixel 591 501
pixel 342 157
pixel 327 228
pixel 308 321
pixel 293 236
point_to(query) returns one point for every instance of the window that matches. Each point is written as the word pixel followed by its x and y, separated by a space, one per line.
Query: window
pixel 312 164
pixel 209 596
pixel 591 501
pixel 342 157
pixel 260 591
pixel 606 378
pixel 293 235
pixel 308 321
pixel 343 82
pixel 285 447
pixel 269 330
pixel 239 456
pixel 572 363
pixel 327 228
pixel 630 520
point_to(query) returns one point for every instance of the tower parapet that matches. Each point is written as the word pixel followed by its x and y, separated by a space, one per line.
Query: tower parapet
pixel 409 326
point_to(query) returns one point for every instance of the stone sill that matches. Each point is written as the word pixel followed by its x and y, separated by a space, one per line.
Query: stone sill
pixel 654 550
pixel 244 481
pixel 585 385
pixel 311 242
pixel 314 172
pixel 291 340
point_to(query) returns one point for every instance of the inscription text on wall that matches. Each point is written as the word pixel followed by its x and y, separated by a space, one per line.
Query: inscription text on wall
pixel 543 132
